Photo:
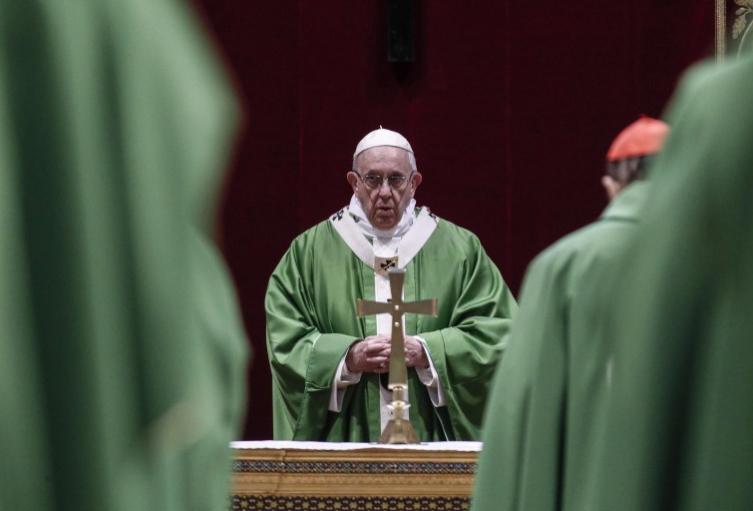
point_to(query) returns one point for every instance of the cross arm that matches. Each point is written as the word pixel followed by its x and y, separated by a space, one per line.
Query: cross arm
pixel 421 307
pixel 367 307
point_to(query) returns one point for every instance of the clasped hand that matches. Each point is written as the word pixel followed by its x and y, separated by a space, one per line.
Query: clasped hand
pixel 372 354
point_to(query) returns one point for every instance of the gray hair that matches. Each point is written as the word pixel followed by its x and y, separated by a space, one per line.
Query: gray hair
pixel 411 160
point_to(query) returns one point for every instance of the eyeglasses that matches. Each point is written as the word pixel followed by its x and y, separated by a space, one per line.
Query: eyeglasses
pixel 375 182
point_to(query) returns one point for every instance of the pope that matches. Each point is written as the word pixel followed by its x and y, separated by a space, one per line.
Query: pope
pixel 328 365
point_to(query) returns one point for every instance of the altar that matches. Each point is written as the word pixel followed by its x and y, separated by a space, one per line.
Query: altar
pixel 275 475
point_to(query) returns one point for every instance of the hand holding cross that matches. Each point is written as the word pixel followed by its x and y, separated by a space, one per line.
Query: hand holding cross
pixel 399 429
pixel 397 308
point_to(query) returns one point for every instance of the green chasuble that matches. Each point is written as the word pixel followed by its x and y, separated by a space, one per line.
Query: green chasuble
pixel 540 424
pixel 121 354
pixel 679 432
pixel 311 322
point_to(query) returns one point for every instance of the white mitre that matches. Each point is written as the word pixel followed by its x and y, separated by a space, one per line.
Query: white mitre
pixel 382 137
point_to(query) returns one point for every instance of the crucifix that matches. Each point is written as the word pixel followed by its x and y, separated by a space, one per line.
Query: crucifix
pixel 399 429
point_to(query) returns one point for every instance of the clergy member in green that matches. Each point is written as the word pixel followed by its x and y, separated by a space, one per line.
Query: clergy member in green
pixel 540 425
pixel 121 353
pixel 328 365
pixel 680 420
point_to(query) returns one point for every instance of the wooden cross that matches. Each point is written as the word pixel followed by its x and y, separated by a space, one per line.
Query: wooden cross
pixel 398 430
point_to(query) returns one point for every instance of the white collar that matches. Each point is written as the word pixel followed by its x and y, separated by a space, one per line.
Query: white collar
pixel 405 223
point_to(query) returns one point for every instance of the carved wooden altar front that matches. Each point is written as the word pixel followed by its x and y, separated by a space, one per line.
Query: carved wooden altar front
pixel 341 476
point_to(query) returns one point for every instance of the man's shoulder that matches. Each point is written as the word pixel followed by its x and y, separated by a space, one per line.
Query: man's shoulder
pixel 598 241
pixel 712 80
pixel 314 233
pixel 448 232
pixel 316 239
pixel 706 98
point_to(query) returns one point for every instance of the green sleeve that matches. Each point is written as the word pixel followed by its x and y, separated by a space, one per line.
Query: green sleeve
pixel 465 353
pixel 303 359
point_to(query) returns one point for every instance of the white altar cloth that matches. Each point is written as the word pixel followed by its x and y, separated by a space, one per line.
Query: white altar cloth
pixel 357 446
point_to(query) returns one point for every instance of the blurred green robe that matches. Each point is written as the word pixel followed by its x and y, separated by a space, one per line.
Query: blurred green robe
pixel 114 121
pixel 679 431
pixel 540 426
pixel 311 323
pixel 224 354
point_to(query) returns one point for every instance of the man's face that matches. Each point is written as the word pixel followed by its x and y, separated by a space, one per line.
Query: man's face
pixel 384 205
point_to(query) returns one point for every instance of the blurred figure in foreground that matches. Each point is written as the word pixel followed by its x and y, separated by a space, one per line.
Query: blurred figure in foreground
pixel 680 417
pixel 539 431
pixel 121 361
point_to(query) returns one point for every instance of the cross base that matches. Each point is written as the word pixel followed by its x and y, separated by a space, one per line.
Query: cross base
pixel 398 430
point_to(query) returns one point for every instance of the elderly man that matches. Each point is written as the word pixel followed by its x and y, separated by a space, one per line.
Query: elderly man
pixel 539 439
pixel 328 365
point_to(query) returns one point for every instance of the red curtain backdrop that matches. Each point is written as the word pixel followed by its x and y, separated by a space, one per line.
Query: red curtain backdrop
pixel 510 108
